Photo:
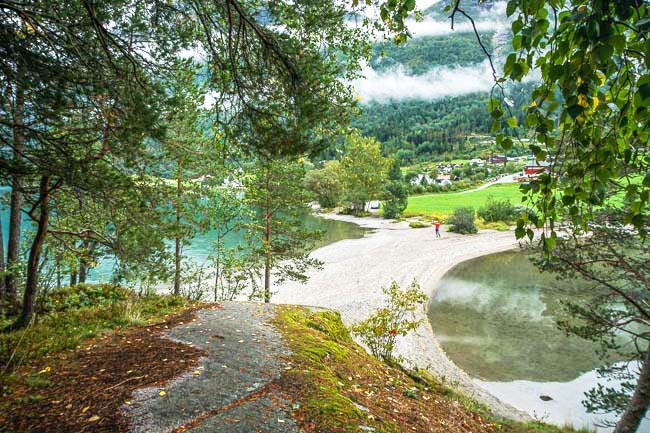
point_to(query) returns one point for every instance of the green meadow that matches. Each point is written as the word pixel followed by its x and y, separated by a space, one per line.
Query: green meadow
pixel 443 204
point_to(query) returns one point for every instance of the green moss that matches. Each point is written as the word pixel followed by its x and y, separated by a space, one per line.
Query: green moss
pixel 324 354
pixel 315 337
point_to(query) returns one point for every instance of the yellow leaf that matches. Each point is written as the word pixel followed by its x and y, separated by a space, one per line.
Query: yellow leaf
pixel 594 103
pixel 45 370
pixel 533 104
pixel 582 101
pixel 601 77
pixel 93 418
pixel 85 409
pixel 162 393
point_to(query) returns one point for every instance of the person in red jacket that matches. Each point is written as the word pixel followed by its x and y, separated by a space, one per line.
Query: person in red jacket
pixel 437 224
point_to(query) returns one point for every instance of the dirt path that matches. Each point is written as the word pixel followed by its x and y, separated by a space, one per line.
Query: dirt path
pixel 233 389
pixel 355 270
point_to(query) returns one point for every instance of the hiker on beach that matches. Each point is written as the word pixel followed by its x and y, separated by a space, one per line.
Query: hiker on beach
pixel 437 224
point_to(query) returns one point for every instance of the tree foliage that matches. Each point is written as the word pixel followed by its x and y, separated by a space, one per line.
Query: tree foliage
pixel 86 99
pixel 278 240
pixel 326 184
pixel 396 192
pixel 363 171
pixel 590 112
pixel 397 318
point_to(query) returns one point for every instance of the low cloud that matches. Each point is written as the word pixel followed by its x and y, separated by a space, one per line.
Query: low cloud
pixel 397 85
pixel 491 19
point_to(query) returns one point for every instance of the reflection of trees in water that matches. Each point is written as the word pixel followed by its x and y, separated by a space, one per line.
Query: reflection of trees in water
pixel 504 326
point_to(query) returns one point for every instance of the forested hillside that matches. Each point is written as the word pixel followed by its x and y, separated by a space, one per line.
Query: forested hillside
pixel 419 55
pixel 430 93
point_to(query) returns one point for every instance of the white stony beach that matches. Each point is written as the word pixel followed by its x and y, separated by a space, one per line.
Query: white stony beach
pixel 355 270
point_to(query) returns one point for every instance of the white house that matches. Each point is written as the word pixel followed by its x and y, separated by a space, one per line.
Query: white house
pixel 417 180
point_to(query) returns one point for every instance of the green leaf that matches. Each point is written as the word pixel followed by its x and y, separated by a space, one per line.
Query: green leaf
pixel 520 232
pixel 530 234
pixel 575 111
pixel 603 53
pixel 512 122
pixel 644 91
pixel 531 120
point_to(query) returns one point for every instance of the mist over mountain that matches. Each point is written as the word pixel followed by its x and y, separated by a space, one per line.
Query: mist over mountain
pixel 427 95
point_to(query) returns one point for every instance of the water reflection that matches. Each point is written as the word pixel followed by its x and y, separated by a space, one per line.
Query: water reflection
pixel 495 317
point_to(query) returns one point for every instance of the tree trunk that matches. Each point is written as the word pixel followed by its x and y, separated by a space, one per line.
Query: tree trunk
pixel 267 239
pixel 638 405
pixel 88 250
pixel 177 251
pixel 73 278
pixel 15 215
pixel 31 286
pixel 83 270
pixel 2 263
pixel 218 266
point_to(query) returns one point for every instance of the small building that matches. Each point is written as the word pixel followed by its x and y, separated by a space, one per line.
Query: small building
pixel 498 159
pixel 417 180
pixel 536 168
pixel 443 179
pixel 478 161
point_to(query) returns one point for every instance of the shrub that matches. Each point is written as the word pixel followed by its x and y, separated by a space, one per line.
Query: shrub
pixel 397 201
pixel 379 331
pixel 418 225
pixel 497 210
pixel 462 220
pixel 82 295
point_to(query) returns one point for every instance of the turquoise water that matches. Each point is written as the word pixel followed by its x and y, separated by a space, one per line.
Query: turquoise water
pixel 202 245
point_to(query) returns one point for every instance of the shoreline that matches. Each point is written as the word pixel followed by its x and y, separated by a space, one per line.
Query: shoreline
pixel 355 270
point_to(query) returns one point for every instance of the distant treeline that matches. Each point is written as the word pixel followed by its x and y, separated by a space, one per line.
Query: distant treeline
pixel 419 55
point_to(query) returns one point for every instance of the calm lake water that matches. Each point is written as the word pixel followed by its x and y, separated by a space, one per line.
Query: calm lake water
pixel 203 245
pixel 495 317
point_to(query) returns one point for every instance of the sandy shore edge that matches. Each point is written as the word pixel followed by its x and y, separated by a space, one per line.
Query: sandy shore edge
pixel 354 270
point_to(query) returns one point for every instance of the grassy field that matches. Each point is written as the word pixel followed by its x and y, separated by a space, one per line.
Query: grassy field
pixel 443 204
